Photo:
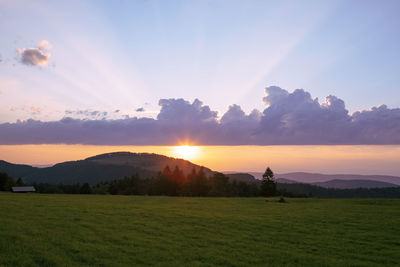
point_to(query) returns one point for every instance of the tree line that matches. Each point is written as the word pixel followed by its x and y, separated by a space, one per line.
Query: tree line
pixel 316 191
pixel 196 183
pixel 171 183
pixel 6 182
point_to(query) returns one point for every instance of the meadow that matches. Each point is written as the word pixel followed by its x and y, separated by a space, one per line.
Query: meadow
pixel 105 230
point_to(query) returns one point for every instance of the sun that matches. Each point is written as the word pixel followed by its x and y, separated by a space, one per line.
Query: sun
pixel 186 151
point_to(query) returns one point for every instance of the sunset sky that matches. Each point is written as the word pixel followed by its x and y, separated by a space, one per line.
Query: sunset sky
pixel 298 85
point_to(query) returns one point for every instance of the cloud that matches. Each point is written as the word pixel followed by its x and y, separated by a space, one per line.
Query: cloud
pixel 35 110
pixel 36 56
pixel 290 118
pixel 44 45
pixel 377 125
pixel 30 110
pixel 181 111
pixel 87 114
pixel 236 114
pixel 297 118
pixel 237 127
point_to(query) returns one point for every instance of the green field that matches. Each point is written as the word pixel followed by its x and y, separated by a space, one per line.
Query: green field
pixel 73 230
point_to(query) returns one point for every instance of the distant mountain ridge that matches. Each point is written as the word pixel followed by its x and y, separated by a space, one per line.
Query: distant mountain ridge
pixel 285 181
pixel 242 177
pixel 99 168
pixel 352 184
pixel 343 184
pixel 311 178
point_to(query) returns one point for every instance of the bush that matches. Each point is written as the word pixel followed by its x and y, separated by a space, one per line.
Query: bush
pixel 282 200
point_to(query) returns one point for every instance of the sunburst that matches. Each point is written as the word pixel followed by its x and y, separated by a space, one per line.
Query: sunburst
pixel 186 152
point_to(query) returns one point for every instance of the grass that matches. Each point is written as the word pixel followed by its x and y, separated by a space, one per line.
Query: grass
pixel 73 230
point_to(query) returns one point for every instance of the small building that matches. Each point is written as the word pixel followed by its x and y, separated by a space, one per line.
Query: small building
pixel 23 189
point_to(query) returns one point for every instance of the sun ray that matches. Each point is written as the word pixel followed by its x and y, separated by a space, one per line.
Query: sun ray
pixel 187 152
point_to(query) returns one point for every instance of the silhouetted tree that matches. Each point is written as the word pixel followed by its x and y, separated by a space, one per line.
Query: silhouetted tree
pixel 19 182
pixel 240 189
pixel 85 189
pixel 101 189
pixel 219 185
pixel 167 171
pixel 48 188
pixel 3 181
pixel 192 174
pixel 70 189
pixel 131 185
pixel 164 185
pixel 178 175
pixel 6 182
pixel 198 186
pixel 268 174
pixel 268 184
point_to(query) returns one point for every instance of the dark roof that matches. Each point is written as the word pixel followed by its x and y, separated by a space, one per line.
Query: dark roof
pixel 23 189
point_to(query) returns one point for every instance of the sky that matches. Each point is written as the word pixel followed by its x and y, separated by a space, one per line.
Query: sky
pixel 215 73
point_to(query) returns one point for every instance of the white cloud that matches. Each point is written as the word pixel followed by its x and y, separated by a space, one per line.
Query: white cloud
pixel 38 56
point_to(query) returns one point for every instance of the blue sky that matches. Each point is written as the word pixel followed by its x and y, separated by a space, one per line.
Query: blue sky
pixel 124 55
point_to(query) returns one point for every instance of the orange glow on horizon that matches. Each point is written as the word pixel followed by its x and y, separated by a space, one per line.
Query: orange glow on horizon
pixel 321 159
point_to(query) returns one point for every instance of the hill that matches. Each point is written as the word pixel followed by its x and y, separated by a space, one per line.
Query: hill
pixel 304 177
pixel 285 181
pixel 342 184
pixel 350 184
pixel 242 177
pixel 16 170
pixel 337 181
pixel 99 168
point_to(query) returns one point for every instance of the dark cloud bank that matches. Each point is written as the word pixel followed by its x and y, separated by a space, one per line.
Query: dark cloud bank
pixel 288 119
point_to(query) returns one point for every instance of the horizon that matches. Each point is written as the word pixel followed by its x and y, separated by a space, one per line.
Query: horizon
pixel 362 160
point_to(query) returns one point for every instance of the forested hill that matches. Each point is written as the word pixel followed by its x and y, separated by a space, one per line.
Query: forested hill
pixel 16 170
pixel 100 168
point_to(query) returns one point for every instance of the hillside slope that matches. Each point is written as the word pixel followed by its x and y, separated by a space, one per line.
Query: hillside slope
pixel 99 168
pixel 16 170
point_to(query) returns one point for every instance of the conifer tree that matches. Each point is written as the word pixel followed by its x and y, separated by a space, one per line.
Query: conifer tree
pixel 268 184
